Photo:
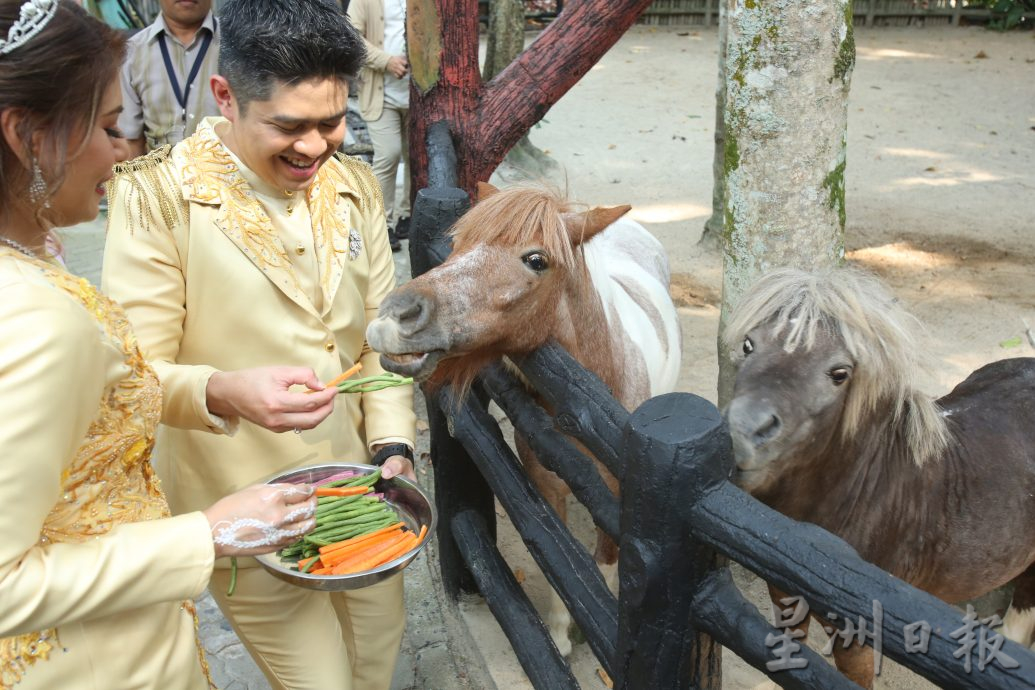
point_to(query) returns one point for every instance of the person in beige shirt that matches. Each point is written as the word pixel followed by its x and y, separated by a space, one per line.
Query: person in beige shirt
pixel 384 101
pixel 250 259
pixel 96 577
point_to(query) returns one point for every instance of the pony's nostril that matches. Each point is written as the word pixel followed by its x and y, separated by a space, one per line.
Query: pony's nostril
pixel 767 430
pixel 411 312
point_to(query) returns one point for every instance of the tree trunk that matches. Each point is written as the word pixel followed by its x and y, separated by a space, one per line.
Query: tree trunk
pixel 487 119
pixel 505 42
pixel 506 37
pixel 711 237
pixel 788 69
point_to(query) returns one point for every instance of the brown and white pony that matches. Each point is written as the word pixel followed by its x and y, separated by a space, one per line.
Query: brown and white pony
pixel 829 427
pixel 527 267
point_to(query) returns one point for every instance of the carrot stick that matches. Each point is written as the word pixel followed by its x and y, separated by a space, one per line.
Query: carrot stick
pixel 305 561
pixel 320 571
pixel 341 377
pixel 423 531
pixel 363 554
pixel 333 559
pixel 342 490
pixel 357 540
pixel 381 557
pixel 355 368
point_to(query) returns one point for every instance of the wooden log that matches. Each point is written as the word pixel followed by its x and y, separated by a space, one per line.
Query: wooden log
pixel 722 611
pixel 803 559
pixel 677 443
pixel 509 604
pixel 554 451
pixel 441 156
pixel 458 485
pixel 582 405
pixel 564 561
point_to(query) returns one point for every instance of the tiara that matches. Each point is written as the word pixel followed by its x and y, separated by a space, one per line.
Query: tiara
pixel 35 15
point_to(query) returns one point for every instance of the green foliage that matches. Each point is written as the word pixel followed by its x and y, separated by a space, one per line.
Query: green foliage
pixel 1007 14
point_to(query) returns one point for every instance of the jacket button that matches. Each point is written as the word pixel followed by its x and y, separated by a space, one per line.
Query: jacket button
pixel 329 346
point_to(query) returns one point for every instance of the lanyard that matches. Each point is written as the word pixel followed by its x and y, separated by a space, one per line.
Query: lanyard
pixel 181 97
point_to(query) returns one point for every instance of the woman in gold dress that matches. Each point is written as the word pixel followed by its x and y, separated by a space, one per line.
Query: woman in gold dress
pixel 96 578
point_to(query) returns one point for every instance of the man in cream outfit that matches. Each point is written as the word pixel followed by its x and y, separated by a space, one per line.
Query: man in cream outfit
pixel 251 244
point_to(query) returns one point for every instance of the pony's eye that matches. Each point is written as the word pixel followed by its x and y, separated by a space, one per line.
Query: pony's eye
pixel 749 346
pixel 537 261
pixel 839 375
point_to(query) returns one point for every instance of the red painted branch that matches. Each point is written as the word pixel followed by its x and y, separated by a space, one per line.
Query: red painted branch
pixel 522 94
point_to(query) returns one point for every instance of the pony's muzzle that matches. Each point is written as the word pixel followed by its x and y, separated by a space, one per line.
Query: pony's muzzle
pixel 752 426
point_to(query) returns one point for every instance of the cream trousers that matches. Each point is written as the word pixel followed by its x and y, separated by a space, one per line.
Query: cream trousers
pixel 389 134
pixel 308 640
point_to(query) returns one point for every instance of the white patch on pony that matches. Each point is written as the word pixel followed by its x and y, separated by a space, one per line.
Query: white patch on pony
pixel 1019 626
pixel 558 621
pixel 626 252
pixel 465 286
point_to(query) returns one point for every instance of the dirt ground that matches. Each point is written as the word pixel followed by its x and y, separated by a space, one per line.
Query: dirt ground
pixel 940 202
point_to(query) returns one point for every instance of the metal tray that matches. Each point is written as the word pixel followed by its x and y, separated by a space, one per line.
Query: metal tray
pixel 407 498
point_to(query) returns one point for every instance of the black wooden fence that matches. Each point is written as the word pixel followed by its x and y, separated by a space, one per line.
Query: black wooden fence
pixel 677 517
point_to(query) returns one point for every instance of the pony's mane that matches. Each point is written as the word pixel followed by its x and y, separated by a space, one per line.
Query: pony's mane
pixel 882 337
pixel 521 215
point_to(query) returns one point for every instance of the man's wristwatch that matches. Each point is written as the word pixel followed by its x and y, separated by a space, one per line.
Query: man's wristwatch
pixel 381 456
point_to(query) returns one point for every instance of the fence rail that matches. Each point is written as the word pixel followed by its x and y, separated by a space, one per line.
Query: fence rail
pixel 865 12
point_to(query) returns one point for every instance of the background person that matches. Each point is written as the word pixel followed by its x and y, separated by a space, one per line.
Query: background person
pixel 96 577
pixel 384 102
pixel 251 243
pixel 166 73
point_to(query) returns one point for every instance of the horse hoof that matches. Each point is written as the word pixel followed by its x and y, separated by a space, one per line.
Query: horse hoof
pixel 563 643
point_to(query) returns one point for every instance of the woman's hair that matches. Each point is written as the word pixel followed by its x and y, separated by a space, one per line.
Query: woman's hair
pixel 268 43
pixel 56 79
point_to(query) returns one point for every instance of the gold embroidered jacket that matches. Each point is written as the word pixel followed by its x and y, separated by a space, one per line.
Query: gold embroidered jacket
pixel 92 582
pixel 207 283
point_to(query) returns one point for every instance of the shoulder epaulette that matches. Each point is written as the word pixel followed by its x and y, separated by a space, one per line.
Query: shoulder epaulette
pixel 146 162
pixel 146 191
pixel 362 176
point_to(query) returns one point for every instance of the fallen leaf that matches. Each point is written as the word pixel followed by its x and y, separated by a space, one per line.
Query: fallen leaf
pixel 682 33
pixel 422 425
pixel 981 55
pixel 605 678
pixel 930 168
pixel 612 146
pixel 1012 342
pixel 519 575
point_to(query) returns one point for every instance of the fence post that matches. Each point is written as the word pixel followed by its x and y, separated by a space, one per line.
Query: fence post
pixel 458 484
pixel 677 447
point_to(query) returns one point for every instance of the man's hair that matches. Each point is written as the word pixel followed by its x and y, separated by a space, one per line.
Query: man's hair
pixel 267 43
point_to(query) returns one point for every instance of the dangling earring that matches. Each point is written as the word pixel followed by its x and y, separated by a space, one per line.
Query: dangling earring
pixel 38 188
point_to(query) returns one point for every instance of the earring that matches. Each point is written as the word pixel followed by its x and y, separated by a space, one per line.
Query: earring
pixel 38 187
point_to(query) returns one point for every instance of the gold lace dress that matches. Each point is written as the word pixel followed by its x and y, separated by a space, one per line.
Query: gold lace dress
pixel 95 577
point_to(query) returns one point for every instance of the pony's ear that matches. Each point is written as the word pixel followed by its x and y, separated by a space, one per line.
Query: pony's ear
pixel 583 226
pixel 485 190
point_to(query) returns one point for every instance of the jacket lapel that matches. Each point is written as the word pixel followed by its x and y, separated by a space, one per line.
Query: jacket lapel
pixel 331 228
pixel 211 177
